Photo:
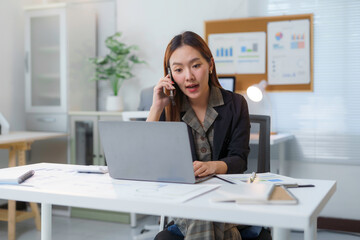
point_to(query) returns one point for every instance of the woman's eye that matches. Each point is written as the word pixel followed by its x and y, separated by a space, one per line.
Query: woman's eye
pixel 196 65
pixel 177 70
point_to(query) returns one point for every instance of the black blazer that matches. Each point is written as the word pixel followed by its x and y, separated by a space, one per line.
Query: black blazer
pixel 231 132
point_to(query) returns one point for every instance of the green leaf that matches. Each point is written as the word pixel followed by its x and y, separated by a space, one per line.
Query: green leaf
pixel 117 65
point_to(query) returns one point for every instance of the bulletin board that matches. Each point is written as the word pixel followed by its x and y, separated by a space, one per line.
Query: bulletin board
pixel 260 24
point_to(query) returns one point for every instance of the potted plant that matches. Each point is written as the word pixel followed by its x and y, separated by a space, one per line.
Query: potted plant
pixel 115 67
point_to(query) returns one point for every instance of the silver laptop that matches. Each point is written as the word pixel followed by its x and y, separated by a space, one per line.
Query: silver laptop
pixel 148 151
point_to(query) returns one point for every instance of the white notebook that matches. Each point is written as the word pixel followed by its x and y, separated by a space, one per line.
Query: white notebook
pixel 250 193
pixel 15 175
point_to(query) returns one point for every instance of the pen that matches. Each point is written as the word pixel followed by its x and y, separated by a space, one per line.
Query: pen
pixel 90 172
pixel 300 186
pixel 25 176
pixel 223 179
pixel 252 177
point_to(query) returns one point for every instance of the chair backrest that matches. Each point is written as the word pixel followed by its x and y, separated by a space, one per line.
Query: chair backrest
pixel 263 122
pixel 146 98
pixel 134 115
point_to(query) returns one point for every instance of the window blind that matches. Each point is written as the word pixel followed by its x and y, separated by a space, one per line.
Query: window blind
pixel 326 122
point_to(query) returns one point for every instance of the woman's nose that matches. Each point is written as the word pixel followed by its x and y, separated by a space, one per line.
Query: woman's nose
pixel 189 75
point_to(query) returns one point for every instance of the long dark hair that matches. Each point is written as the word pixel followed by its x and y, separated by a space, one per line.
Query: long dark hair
pixel 193 40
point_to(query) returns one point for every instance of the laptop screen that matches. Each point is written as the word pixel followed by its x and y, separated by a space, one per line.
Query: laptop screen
pixel 135 150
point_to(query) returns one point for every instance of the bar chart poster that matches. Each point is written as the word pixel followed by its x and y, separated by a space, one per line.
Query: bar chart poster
pixel 238 53
pixel 222 47
pixel 289 52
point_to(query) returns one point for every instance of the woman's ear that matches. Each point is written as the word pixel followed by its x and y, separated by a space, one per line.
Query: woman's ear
pixel 211 67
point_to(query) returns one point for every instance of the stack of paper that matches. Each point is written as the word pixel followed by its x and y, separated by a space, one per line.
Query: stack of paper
pixel 246 193
pixel 92 169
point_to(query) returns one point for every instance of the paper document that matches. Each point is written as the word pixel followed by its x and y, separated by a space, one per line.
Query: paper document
pixel 288 55
pixel 92 169
pixel 268 178
pixel 67 180
pixel 240 53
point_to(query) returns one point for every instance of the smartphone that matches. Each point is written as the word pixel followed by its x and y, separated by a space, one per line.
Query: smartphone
pixel 171 91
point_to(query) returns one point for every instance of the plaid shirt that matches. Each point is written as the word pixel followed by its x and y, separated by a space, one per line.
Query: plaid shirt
pixel 203 132
pixel 203 139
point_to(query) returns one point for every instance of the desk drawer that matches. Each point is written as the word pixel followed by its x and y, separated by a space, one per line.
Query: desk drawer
pixel 46 122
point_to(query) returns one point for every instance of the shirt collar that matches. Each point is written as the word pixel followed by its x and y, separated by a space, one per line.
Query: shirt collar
pixel 215 99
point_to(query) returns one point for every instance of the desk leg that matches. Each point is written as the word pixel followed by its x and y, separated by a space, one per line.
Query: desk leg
pixel 12 157
pixel 282 158
pixel 11 220
pixel 311 232
pixel 21 158
pixel 46 219
pixel 12 204
pixel 281 233
pixel 35 210
pixel 133 221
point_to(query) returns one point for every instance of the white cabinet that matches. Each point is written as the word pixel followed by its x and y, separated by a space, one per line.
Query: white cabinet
pixel 84 140
pixel 58 43
pixel 45 60
pixel 85 147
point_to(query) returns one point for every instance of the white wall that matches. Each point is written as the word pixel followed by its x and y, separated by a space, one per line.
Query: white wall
pixel 345 202
pixel 11 68
pixel 151 25
pixel 12 63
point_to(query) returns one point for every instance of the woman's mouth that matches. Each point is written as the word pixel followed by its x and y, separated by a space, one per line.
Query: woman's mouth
pixel 192 88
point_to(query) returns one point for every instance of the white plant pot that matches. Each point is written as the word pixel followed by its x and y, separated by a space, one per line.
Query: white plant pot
pixel 114 104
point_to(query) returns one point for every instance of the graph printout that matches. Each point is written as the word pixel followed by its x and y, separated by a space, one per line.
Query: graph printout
pixel 289 52
pixel 241 53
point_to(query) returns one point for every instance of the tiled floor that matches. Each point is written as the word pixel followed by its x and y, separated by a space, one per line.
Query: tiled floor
pixel 65 228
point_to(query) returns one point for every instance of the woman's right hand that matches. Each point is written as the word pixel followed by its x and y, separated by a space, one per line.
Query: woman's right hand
pixel 160 99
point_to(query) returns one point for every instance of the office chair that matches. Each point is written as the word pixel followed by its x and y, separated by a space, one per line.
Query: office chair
pixel 260 129
pixel 146 97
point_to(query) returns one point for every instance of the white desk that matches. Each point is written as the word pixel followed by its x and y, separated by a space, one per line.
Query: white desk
pixel 302 216
pixel 280 139
pixel 17 143
pixel 274 138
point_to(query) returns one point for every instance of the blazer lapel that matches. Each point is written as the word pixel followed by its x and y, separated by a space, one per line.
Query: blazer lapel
pixel 221 129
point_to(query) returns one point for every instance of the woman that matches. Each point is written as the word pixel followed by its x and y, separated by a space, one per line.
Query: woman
pixel 217 119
